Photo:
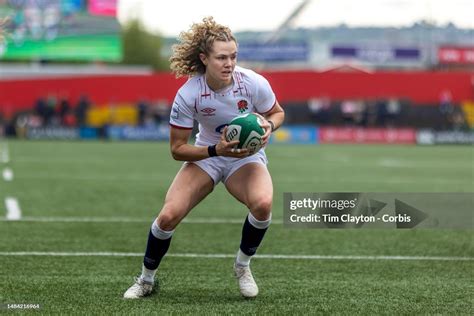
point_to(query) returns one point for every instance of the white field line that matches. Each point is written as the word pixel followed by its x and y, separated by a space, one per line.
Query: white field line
pixel 212 220
pixel 4 153
pixel 329 160
pixel 225 256
pixel 404 163
pixel 13 209
pixel 11 204
pixel 290 179
pixel 7 174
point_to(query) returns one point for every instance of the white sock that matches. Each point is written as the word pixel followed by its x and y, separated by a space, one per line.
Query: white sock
pixel 242 259
pixel 259 224
pixel 160 233
pixel 148 275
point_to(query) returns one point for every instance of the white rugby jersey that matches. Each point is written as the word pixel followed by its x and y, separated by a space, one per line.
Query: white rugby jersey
pixel 250 92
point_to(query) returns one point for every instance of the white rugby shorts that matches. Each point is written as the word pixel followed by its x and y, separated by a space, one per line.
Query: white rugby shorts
pixel 221 168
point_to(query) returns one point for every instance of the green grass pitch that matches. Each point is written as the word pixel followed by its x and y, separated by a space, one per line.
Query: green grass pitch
pixel 100 197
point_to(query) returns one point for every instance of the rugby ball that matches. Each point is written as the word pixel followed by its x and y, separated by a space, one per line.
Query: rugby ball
pixel 247 130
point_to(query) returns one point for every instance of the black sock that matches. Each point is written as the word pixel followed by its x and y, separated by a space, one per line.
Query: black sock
pixel 251 238
pixel 155 251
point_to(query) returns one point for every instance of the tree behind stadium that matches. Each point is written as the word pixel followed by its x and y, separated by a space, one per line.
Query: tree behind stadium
pixel 142 48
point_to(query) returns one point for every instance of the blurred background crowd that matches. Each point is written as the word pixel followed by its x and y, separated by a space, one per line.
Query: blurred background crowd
pixel 78 69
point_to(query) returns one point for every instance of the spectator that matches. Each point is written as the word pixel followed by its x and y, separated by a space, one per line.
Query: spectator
pixel 142 108
pixel 393 111
pixel 81 110
pixel 446 103
pixel 161 112
pixel 2 125
pixel 40 109
pixel 348 109
pixel 381 106
pixel 446 108
pixel 458 121
pixel 360 117
pixel 353 112
pixel 370 113
pixel 63 110
pixel 319 109
pixel 50 111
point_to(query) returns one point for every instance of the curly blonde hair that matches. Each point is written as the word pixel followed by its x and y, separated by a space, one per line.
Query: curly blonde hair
pixel 198 39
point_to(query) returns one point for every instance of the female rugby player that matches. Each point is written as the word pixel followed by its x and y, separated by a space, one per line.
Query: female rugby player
pixel 217 91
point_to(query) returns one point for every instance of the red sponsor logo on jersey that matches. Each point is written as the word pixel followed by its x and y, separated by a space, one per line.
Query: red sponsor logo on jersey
pixel 208 112
pixel 242 105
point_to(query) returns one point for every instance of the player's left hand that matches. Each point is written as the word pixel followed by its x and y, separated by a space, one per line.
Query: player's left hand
pixel 266 127
pixel 226 149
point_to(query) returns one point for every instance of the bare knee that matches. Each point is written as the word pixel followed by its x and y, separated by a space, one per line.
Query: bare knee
pixel 169 218
pixel 261 208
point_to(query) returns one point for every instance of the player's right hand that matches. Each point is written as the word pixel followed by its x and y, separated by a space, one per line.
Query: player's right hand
pixel 227 149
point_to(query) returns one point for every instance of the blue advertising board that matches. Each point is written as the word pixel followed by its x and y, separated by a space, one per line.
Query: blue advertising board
pixel 138 133
pixel 273 52
pixel 295 135
pixel 376 53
